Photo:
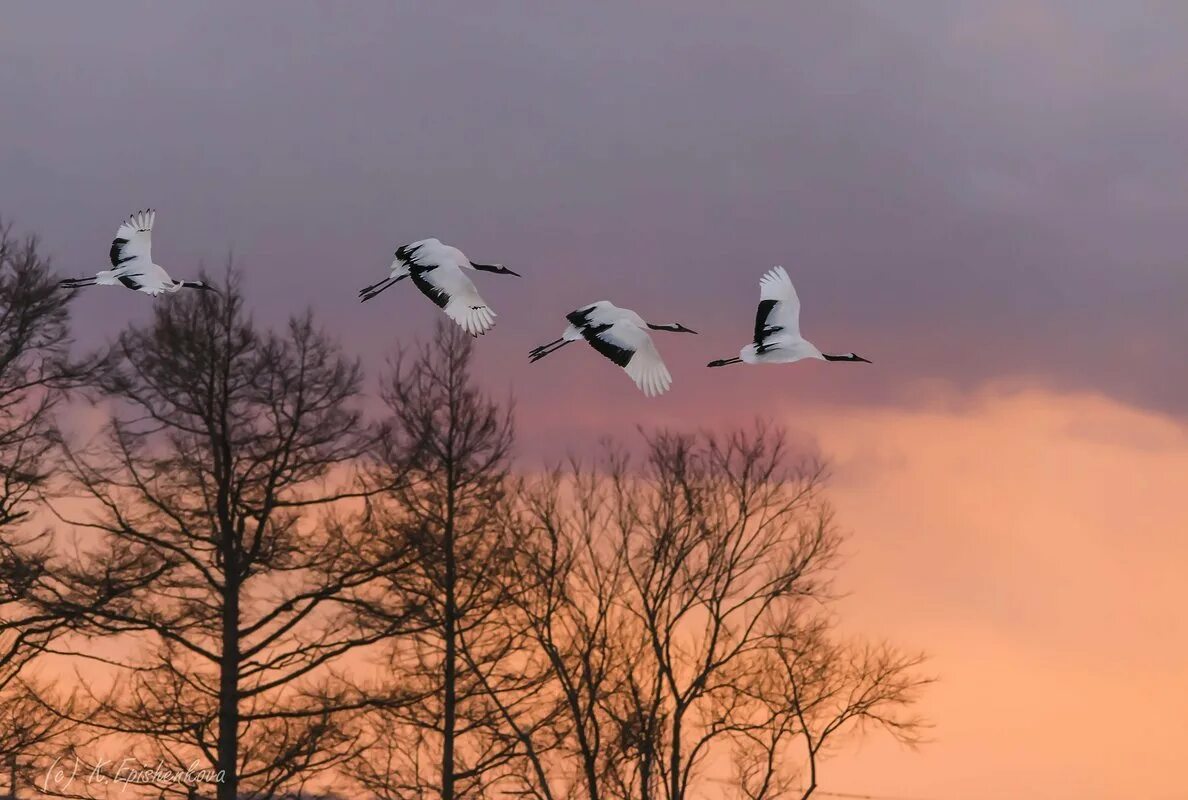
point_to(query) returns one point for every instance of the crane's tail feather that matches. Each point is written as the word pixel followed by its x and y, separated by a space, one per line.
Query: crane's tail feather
pixel 721 362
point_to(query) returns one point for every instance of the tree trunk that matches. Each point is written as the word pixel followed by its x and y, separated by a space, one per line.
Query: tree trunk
pixel 674 792
pixel 450 700
pixel 228 745
pixel 590 767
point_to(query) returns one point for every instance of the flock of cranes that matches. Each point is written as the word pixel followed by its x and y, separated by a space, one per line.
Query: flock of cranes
pixel 439 272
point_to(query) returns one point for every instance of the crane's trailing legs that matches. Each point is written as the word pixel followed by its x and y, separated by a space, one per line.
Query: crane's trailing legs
pixel 368 292
pixel 537 353
pixel 77 283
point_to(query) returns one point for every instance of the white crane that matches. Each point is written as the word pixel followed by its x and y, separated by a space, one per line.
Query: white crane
pixel 436 269
pixel 622 336
pixel 132 262
pixel 777 328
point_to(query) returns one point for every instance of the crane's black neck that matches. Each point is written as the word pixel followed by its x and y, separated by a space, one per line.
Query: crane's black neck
pixel 502 270
pixel 674 327
pixel 844 357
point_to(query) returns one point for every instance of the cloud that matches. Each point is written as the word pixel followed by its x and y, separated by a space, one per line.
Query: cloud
pixel 1034 543
pixel 980 192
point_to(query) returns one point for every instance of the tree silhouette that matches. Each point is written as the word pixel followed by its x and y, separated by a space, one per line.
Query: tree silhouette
pixel 446 463
pixel 678 604
pixel 725 537
pixel 814 690
pixel 574 578
pixel 37 372
pixel 249 548
pixel 223 562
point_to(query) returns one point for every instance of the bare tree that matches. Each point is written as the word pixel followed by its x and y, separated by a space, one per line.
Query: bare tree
pixel 37 372
pixel 814 690
pixel 573 577
pixel 446 463
pixel 223 562
pixel 32 736
pixel 679 609
pixel 721 536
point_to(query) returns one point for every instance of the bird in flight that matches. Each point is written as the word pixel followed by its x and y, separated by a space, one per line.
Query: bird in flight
pixel 777 328
pixel 132 262
pixel 622 336
pixel 436 269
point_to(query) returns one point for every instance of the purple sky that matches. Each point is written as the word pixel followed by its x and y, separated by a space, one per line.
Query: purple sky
pixel 962 192
pixel 970 194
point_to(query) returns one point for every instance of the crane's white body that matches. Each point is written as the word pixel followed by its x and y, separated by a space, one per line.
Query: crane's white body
pixel 777 338
pixel 622 336
pixel 132 264
pixel 437 270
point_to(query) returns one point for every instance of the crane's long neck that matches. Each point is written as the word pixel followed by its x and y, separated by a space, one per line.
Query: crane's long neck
pixel 177 286
pixel 499 268
pixel 844 357
pixel 674 327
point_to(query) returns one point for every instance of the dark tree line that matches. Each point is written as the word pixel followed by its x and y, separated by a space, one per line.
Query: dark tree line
pixel 37 372
pixel 262 575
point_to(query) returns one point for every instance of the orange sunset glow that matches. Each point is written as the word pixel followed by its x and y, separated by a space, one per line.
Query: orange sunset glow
pixel 982 206
pixel 1033 543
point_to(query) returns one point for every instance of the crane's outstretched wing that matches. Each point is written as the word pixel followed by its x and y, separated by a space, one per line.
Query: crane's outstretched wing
pixel 778 315
pixel 452 291
pixel 423 253
pixel 632 349
pixel 602 313
pixel 134 241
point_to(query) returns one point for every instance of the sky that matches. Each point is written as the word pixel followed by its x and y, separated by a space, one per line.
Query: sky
pixel 986 199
